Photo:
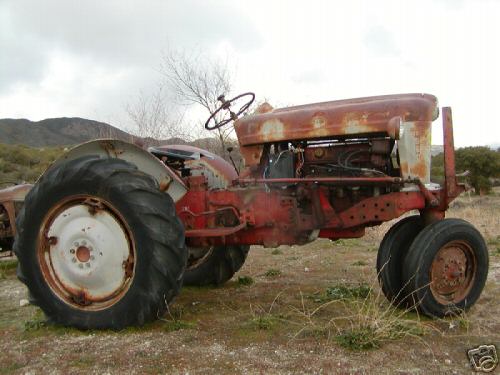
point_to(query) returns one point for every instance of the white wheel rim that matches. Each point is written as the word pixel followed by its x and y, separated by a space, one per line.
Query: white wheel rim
pixel 88 256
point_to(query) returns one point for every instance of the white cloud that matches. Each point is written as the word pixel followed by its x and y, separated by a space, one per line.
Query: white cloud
pixel 89 59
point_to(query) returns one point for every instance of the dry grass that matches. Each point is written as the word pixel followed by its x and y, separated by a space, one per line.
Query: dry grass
pixel 314 317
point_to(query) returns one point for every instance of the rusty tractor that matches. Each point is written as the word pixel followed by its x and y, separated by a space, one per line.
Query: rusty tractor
pixel 110 232
pixel 11 201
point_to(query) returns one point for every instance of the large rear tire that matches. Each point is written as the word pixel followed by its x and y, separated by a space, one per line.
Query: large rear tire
pixel 446 268
pixel 99 245
pixel 215 265
pixel 391 254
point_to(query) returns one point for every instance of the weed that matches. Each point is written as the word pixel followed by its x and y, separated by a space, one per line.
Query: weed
pixel 35 324
pixel 175 323
pixel 360 263
pixel 272 273
pixel 459 320
pixel 371 334
pixel 264 322
pixel 362 338
pixel 374 322
pixel 341 292
pixel 346 292
pixel 276 252
pixel 245 280
pixel 6 266
pixel 368 324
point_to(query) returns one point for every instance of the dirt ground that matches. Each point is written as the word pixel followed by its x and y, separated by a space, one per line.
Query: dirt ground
pixel 290 319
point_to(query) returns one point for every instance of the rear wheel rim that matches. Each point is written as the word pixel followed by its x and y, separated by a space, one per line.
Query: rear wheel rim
pixel 86 252
pixel 453 272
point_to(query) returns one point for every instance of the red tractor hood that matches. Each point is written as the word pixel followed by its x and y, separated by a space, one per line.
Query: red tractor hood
pixel 341 118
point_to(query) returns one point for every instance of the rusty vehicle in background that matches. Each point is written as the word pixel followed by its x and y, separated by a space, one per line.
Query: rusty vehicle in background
pixel 11 200
pixel 110 232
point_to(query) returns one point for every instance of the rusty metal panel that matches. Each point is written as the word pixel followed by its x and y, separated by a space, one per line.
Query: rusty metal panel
pixel 113 148
pixel 343 118
pixel 14 193
pixel 449 153
pixel 414 148
pixel 9 197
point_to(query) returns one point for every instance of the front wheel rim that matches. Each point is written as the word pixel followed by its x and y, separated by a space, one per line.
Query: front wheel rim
pixel 453 272
pixel 86 252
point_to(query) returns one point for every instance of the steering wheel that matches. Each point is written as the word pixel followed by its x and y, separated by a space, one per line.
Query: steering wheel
pixel 230 115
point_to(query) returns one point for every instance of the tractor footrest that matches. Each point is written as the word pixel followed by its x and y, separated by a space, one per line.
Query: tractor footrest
pixel 214 232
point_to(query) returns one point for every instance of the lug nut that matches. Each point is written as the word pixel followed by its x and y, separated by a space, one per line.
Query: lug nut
pixel 76 244
pixel 92 257
pixel 80 265
pixel 73 260
pixel 72 251
pixel 84 242
pixel 88 264
pixel 90 248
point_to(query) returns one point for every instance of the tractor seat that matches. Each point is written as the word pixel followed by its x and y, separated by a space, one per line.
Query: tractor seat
pixel 183 152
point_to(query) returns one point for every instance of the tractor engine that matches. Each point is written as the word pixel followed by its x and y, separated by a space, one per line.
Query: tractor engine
pixel 350 158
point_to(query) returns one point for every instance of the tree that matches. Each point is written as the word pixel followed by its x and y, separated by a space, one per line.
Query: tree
pixel 155 119
pixel 482 163
pixel 199 80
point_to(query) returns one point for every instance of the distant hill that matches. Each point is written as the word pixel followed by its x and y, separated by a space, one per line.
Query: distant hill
pixel 57 131
pixel 68 131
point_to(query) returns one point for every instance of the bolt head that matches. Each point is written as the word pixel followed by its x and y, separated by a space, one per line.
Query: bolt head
pixel 80 265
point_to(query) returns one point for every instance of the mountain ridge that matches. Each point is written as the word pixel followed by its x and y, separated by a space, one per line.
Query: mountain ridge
pixel 61 131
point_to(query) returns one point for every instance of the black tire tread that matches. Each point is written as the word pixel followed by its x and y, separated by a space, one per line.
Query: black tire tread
pixel 163 278
pixel 219 267
pixel 430 238
pixel 391 254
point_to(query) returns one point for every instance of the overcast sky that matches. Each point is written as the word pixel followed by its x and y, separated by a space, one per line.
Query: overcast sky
pixel 90 58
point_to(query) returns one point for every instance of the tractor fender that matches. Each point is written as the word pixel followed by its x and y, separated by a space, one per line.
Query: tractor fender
pixel 167 179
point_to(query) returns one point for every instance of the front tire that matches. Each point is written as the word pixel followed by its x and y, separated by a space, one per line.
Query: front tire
pixel 391 254
pixel 99 245
pixel 446 267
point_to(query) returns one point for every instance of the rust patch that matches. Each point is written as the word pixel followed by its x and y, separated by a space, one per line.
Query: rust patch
pixel 363 116
pixel 14 193
pixel 453 271
pixel 83 253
